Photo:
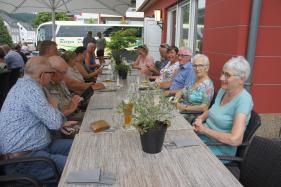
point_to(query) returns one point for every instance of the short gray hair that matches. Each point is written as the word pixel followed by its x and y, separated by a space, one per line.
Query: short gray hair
pixel 204 58
pixel 240 66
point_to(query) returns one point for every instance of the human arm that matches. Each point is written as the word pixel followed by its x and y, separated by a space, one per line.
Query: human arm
pixel 234 138
pixel 75 101
pixel 171 92
pixel 165 84
pixel 136 63
pixel 98 86
pixel 40 107
pixel 88 62
pixel 241 114
pixel 76 86
pixel 85 74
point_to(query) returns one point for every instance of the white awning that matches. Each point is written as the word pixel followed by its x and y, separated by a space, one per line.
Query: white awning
pixel 114 7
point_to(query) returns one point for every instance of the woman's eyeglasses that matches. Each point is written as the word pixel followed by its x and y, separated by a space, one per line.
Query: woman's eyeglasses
pixel 198 66
pixel 227 75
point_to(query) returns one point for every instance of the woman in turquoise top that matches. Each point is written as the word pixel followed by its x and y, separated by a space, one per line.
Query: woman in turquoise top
pixel 228 117
pixel 197 97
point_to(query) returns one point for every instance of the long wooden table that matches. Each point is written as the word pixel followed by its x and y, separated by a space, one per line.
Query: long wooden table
pixel 120 152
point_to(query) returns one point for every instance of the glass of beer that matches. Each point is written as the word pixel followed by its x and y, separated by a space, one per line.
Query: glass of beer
pixel 128 110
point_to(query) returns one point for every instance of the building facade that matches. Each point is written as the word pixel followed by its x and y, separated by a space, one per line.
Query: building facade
pixel 20 32
pixel 224 26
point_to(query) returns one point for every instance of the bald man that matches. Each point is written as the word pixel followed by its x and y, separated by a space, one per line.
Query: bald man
pixel 67 104
pixel 185 75
pixel 90 57
pixel 26 118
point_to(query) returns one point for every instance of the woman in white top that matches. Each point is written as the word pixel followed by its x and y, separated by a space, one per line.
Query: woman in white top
pixel 170 70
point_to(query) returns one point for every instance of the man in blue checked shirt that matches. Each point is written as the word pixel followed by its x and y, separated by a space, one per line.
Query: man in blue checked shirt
pixel 26 117
pixel 185 75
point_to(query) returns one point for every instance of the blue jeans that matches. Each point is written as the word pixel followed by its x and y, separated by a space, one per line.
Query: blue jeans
pixel 56 151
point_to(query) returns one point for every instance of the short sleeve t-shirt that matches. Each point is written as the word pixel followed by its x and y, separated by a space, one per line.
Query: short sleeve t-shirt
pixel 221 118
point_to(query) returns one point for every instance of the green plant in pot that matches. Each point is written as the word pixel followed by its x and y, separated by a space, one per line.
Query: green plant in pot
pixel 152 113
pixel 119 41
pixel 122 70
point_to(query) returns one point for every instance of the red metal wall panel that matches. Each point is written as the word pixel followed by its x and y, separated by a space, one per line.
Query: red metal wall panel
pixel 225 32
pixel 266 89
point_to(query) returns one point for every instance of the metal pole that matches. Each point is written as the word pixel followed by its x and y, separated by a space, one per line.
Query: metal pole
pixel 53 25
pixel 53 19
pixel 252 40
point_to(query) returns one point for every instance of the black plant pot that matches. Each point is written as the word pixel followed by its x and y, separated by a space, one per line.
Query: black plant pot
pixel 152 141
pixel 123 74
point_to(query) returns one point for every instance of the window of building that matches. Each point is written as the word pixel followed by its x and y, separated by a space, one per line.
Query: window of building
pixel 200 25
pixel 186 24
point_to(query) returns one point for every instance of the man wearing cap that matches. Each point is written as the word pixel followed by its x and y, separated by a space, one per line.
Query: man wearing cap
pixel 89 38
pixel 185 75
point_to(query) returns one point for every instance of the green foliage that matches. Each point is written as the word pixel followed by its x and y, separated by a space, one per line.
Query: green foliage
pixel 149 108
pixel 120 40
pixel 43 17
pixel 122 67
pixel 5 37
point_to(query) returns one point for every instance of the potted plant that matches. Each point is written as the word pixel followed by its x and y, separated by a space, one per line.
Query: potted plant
pixel 152 113
pixel 119 41
pixel 122 70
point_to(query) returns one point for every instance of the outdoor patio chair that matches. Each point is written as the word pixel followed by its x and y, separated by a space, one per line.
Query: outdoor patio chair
pixel 262 164
pixel 27 180
pixel 4 86
pixel 15 74
pixel 253 125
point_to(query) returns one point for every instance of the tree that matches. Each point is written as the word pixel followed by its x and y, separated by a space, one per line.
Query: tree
pixel 119 41
pixel 43 17
pixel 5 37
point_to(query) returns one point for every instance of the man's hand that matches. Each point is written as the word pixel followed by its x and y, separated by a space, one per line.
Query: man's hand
pixel 99 70
pixel 98 86
pixel 75 101
pixel 67 128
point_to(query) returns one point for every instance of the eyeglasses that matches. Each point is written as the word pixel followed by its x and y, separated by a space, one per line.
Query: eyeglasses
pixel 198 66
pixel 227 75
pixel 46 72
pixel 164 46
pixel 183 55
pixel 50 72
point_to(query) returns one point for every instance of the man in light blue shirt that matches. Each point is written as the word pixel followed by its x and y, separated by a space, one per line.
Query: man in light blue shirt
pixel 185 75
pixel 26 117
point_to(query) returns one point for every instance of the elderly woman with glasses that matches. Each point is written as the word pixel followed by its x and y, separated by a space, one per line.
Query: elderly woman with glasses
pixel 228 117
pixel 197 96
